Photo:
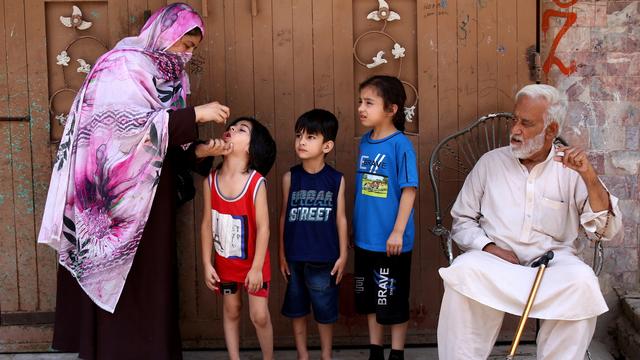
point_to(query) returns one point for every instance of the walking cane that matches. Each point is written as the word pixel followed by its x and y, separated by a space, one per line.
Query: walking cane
pixel 542 262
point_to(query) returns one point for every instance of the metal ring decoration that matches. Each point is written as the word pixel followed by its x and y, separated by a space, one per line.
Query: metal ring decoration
pixel 83 38
pixel 74 22
pixel 409 111
pixel 56 94
pixel 83 63
pixel 64 76
pixel 384 14
pixel 380 32
pixel 62 117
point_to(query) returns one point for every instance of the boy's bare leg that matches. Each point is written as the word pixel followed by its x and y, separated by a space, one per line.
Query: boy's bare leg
pixel 300 335
pixel 376 331
pixel 232 308
pixel 259 313
pixel 326 340
pixel 399 335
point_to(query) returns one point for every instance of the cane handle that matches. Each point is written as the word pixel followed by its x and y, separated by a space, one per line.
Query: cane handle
pixel 544 259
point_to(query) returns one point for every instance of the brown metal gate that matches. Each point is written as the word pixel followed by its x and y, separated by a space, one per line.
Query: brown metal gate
pixel 270 58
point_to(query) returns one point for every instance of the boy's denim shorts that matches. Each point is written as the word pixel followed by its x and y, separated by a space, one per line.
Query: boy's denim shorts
pixel 311 285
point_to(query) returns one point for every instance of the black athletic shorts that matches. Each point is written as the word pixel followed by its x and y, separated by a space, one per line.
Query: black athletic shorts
pixel 382 285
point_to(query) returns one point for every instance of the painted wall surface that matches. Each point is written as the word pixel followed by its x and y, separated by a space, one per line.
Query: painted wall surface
pixel 591 50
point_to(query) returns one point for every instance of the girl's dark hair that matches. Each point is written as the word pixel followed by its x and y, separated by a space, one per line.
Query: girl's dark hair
pixel 318 121
pixel 196 31
pixel 262 147
pixel 391 90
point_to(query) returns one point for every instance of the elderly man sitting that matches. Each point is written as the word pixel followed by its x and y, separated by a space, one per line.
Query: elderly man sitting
pixel 517 203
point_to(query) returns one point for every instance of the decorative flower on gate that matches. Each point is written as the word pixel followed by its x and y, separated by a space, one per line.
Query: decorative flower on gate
pixel 385 14
pixel 409 112
pixel 62 119
pixel 75 20
pixel 63 58
pixel 398 51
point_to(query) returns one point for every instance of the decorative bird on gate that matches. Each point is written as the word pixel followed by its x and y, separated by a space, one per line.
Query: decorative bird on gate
pixel 84 66
pixel 377 60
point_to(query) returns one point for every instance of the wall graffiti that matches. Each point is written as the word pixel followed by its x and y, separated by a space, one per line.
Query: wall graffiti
pixel 464 32
pixel 571 18
pixel 438 7
pixel 566 4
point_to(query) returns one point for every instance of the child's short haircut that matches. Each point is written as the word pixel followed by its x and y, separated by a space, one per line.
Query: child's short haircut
pixel 318 121
pixel 262 147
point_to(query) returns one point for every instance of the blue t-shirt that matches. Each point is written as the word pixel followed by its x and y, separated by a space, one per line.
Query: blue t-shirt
pixel 385 166
pixel 310 230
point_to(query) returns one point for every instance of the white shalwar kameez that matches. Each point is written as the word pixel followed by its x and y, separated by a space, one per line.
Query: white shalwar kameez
pixel 528 213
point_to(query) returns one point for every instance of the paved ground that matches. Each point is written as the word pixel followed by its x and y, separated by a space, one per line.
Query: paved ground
pixel 526 352
pixel 341 354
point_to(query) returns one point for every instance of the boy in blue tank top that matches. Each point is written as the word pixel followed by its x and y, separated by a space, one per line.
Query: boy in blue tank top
pixel 313 231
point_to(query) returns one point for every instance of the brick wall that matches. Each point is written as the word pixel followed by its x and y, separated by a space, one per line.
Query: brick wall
pixel 599 70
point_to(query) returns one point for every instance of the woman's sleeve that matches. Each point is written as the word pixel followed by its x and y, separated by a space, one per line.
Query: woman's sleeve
pixel 182 126
pixel 201 166
pixel 184 130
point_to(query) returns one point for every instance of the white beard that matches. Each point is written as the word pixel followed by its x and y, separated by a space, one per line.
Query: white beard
pixel 528 147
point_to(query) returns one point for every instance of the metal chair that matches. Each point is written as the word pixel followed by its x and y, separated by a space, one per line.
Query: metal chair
pixel 454 157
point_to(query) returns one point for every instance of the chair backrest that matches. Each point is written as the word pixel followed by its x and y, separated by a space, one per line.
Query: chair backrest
pixel 454 157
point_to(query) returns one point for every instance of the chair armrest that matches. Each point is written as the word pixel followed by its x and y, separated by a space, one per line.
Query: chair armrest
pixel 445 241
pixel 598 257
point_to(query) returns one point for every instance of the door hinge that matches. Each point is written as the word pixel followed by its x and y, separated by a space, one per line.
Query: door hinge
pixel 535 64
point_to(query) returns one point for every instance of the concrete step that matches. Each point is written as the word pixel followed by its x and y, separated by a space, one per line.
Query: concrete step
pixel 628 325
pixel 630 303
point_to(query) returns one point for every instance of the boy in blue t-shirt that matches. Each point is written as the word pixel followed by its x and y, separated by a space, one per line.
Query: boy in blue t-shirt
pixel 313 231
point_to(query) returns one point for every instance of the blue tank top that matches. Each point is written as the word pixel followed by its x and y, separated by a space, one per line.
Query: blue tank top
pixel 310 231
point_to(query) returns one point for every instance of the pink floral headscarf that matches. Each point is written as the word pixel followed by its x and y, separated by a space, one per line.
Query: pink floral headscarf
pixel 110 156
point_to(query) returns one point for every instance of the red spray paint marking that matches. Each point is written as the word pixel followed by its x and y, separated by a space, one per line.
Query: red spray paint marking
pixel 565 5
pixel 571 19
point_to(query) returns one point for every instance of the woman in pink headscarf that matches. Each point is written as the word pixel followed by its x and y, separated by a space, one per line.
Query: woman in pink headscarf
pixel 110 211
